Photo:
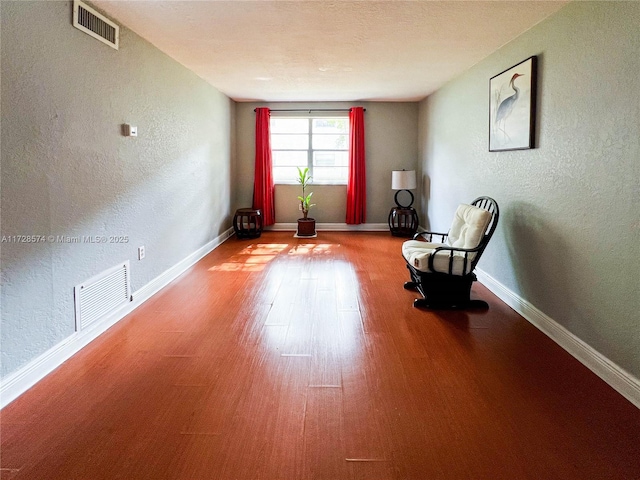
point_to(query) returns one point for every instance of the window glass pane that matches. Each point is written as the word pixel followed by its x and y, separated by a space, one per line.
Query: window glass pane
pixel 329 154
pixel 289 142
pixel 289 125
pixel 330 174
pixel 330 159
pixel 285 174
pixel 289 158
pixel 330 142
pixel 331 125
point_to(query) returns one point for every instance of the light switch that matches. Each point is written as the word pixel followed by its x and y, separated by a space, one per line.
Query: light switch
pixel 129 130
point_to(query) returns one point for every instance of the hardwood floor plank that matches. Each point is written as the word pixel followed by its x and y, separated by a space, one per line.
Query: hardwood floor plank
pixel 363 435
pixel 324 453
pixel 265 434
pixel 326 362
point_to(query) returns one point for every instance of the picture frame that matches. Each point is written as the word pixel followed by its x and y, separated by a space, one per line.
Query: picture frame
pixel 512 107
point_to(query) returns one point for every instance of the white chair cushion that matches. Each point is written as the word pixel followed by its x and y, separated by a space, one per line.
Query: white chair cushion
pixel 417 253
pixel 469 226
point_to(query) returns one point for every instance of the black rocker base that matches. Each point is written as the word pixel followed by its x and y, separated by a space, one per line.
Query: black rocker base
pixel 410 285
pixel 434 305
pixel 443 292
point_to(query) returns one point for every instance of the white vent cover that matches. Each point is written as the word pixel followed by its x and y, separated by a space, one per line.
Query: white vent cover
pixel 102 294
pixel 93 23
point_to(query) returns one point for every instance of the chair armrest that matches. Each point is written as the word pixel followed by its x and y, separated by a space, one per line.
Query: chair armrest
pixel 452 251
pixel 428 236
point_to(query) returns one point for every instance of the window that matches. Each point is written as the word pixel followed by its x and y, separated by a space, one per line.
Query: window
pixel 322 144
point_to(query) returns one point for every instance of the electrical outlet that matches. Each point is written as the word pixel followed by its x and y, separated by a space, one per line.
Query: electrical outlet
pixel 299 206
pixel 141 252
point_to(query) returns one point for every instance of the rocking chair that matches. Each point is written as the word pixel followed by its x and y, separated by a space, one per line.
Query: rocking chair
pixel 444 272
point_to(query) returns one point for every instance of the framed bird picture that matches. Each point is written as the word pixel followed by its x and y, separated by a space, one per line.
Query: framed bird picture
pixel 512 107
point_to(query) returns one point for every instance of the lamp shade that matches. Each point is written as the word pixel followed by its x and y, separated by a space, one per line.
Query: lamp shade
pixel 403 179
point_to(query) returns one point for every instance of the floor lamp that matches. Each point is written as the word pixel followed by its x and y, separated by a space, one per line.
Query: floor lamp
pixel 403 219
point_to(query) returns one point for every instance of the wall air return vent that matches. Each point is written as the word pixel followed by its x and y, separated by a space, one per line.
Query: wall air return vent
pixel 101 295
pixel 92 23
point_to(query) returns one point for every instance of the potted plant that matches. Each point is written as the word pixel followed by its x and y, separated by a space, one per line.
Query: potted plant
pixel 306 225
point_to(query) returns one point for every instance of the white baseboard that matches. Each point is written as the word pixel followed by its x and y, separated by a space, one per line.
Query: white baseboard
pixel 336 227
pixel 26 377
pixel 619 379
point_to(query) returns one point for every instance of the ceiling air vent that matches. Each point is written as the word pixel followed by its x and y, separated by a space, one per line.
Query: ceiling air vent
pixel 92 23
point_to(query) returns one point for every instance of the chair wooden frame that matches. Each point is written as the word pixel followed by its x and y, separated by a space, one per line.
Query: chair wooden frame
pixel 442 290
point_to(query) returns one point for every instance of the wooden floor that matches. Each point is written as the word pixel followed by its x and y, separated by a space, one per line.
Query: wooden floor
pixel 283 358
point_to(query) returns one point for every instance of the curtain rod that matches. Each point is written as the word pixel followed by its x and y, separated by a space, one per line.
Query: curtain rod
pixel 312 110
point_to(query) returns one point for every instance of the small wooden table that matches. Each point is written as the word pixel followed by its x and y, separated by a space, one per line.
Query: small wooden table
pixel 403 221
pixel 247 223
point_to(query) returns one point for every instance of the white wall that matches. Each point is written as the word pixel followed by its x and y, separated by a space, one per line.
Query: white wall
pixel 568 240
pixel 67 170
pixel 391 143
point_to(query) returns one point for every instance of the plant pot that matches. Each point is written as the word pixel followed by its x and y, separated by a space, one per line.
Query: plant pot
pixel 306 227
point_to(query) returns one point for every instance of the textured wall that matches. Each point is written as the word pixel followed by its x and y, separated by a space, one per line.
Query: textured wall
pixel 568 239
pixel 391 136
pixel 67 170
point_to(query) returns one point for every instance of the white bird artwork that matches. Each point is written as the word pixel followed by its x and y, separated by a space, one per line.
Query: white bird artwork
pixel 506 106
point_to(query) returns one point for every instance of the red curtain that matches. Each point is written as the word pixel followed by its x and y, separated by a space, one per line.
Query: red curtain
pixel 263 190
pixel 357 183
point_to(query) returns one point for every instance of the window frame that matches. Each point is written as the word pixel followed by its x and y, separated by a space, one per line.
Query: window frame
pixel 310 150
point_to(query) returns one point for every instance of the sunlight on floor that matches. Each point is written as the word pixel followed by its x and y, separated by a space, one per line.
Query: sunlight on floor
pixel 237 267
pixel 255 257
pixel 264 249
pixel 312 248
pixel 251 259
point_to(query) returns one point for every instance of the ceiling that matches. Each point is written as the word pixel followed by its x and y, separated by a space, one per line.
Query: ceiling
pixel 274 50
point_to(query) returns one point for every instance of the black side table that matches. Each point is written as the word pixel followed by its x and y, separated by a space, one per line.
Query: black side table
pixel 247 223
pixel 403 221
